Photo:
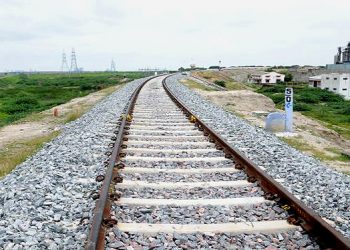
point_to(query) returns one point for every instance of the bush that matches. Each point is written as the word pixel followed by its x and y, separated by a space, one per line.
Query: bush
pixel 345 111
pixel 277 98
pixel 288 76
pixel 327 96
pixel 214 67
pixel 86 87
pixel 271 89
pixel 301 107
pixel 220 83
pixel 26 101
pixel 308 98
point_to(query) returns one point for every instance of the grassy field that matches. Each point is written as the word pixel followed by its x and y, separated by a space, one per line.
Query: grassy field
pixel 320 104
pixel 21 95
pixel 222 80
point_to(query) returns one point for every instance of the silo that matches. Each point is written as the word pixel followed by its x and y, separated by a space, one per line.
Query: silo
pixel 346 54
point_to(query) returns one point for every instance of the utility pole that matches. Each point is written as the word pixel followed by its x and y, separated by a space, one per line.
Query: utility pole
pixel 73 62
pixel 64 65
pixel 113 69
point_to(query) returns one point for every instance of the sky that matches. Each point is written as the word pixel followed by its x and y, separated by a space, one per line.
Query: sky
pixel 170 34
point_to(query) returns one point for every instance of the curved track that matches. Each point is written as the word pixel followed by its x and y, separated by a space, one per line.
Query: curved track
pixel 173 183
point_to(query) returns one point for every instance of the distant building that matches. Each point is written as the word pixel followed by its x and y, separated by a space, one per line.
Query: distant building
pixel 335 82
pixel 266 78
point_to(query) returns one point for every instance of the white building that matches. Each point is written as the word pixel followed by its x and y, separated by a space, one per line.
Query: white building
pixel 267 78
pixel 335 82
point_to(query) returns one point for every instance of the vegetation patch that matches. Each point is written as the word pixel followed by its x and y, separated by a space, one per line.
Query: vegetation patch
pixel 220 83
pixel 320 104
pixel 21 95
pixel 18 152
pixel 334 154
pixel 195 85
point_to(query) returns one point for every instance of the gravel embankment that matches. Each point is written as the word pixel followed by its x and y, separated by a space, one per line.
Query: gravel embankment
pixel 321 188
pixel 45 203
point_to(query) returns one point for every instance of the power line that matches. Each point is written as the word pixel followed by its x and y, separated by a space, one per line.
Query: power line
pixel 113 66
pixel 64 65
pixel 73 62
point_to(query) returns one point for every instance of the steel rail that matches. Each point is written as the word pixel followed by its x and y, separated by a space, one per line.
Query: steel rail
pixel 96 238
pixel 326 236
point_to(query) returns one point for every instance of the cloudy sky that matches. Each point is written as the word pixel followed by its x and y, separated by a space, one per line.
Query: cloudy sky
pixel 170 34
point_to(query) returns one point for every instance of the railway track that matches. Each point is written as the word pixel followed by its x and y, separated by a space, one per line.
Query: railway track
pixel 173 183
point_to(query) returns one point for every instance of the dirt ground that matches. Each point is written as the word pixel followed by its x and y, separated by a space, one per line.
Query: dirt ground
pixel 311 136
pixel 44 123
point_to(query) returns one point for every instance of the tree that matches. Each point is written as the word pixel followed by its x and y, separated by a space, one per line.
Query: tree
pixel 214 67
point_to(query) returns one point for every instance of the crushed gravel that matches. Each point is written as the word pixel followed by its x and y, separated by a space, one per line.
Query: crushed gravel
pixel 171 177
pixel 192 193
pixel 45 203
pixel 321 188
pixel 286 240
pixel 198 214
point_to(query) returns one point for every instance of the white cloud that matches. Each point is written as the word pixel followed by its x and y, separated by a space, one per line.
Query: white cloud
pixel 170 34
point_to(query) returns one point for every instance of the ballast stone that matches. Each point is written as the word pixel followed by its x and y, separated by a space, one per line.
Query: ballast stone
pixel 46 201
pixel 327 191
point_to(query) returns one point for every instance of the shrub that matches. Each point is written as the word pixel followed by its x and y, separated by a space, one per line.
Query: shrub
pixel 87 87
pixel 327 96
pixel 220 83
pixel 271 89
pixel 26 101
pixel 277 98
pixel 214 67
pixel 345 111
pixel 308 98
pixel 301 107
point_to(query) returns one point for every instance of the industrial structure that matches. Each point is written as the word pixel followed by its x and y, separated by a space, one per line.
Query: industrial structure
pixel 343 55
pixel 335 82
pixel 341 60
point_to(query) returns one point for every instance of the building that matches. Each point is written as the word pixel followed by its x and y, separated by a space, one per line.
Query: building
pixel 335 82
pixel 341 60
pixel 266 78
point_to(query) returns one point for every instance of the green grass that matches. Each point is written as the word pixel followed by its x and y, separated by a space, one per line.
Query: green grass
pixel 336 155
pixel 320 104
pixel 18 152
pixel 21 95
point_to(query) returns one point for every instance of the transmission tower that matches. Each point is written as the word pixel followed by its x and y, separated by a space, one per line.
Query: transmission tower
pixel 113 66
pixel 73 62
pixel 64 66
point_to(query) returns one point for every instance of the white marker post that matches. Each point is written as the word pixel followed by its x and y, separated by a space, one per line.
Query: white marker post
pixel 289 109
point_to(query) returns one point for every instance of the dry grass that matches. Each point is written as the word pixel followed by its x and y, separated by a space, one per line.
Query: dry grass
pixel 195 85
pixel 74 114
pixel 230 84
pixel 17 153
